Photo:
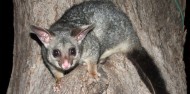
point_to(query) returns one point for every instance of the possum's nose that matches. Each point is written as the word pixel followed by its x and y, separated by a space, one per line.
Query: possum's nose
pixel 65 64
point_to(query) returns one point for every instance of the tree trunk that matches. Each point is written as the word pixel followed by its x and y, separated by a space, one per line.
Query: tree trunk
pixel 158 24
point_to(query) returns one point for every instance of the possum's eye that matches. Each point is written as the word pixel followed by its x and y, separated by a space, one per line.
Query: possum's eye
pixel 56 53
pixel 72 51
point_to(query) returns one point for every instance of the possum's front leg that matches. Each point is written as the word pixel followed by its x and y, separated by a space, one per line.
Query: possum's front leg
pixel 92 71
pixel 58 77
pixel 90 55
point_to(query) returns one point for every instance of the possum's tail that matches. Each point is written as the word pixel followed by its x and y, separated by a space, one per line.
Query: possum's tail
pixel 148 71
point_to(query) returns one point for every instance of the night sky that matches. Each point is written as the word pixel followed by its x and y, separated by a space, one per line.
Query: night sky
pixel 6 43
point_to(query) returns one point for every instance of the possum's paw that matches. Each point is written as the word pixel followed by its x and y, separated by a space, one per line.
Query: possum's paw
pixel 57 86
pixel 93 76
pixel 92 71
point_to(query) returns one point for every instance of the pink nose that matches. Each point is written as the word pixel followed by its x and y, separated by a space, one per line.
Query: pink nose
pixel 65 64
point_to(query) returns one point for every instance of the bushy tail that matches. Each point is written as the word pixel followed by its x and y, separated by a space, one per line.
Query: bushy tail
pixel 148 71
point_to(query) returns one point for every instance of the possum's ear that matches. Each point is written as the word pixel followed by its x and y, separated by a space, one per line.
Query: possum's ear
pixel 80 33
pixel 43 35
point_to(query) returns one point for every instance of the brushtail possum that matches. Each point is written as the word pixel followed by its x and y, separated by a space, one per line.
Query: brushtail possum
pixel 88 33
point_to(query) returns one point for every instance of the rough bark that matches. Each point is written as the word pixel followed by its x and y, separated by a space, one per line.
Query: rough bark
pixel 157 23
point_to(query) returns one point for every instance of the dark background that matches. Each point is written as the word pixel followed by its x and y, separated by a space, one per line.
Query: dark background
pixel 6 43
pixel 187 45
pixel 7 37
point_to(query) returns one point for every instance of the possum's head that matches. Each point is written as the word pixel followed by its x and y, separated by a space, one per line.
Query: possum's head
pixel 62 47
